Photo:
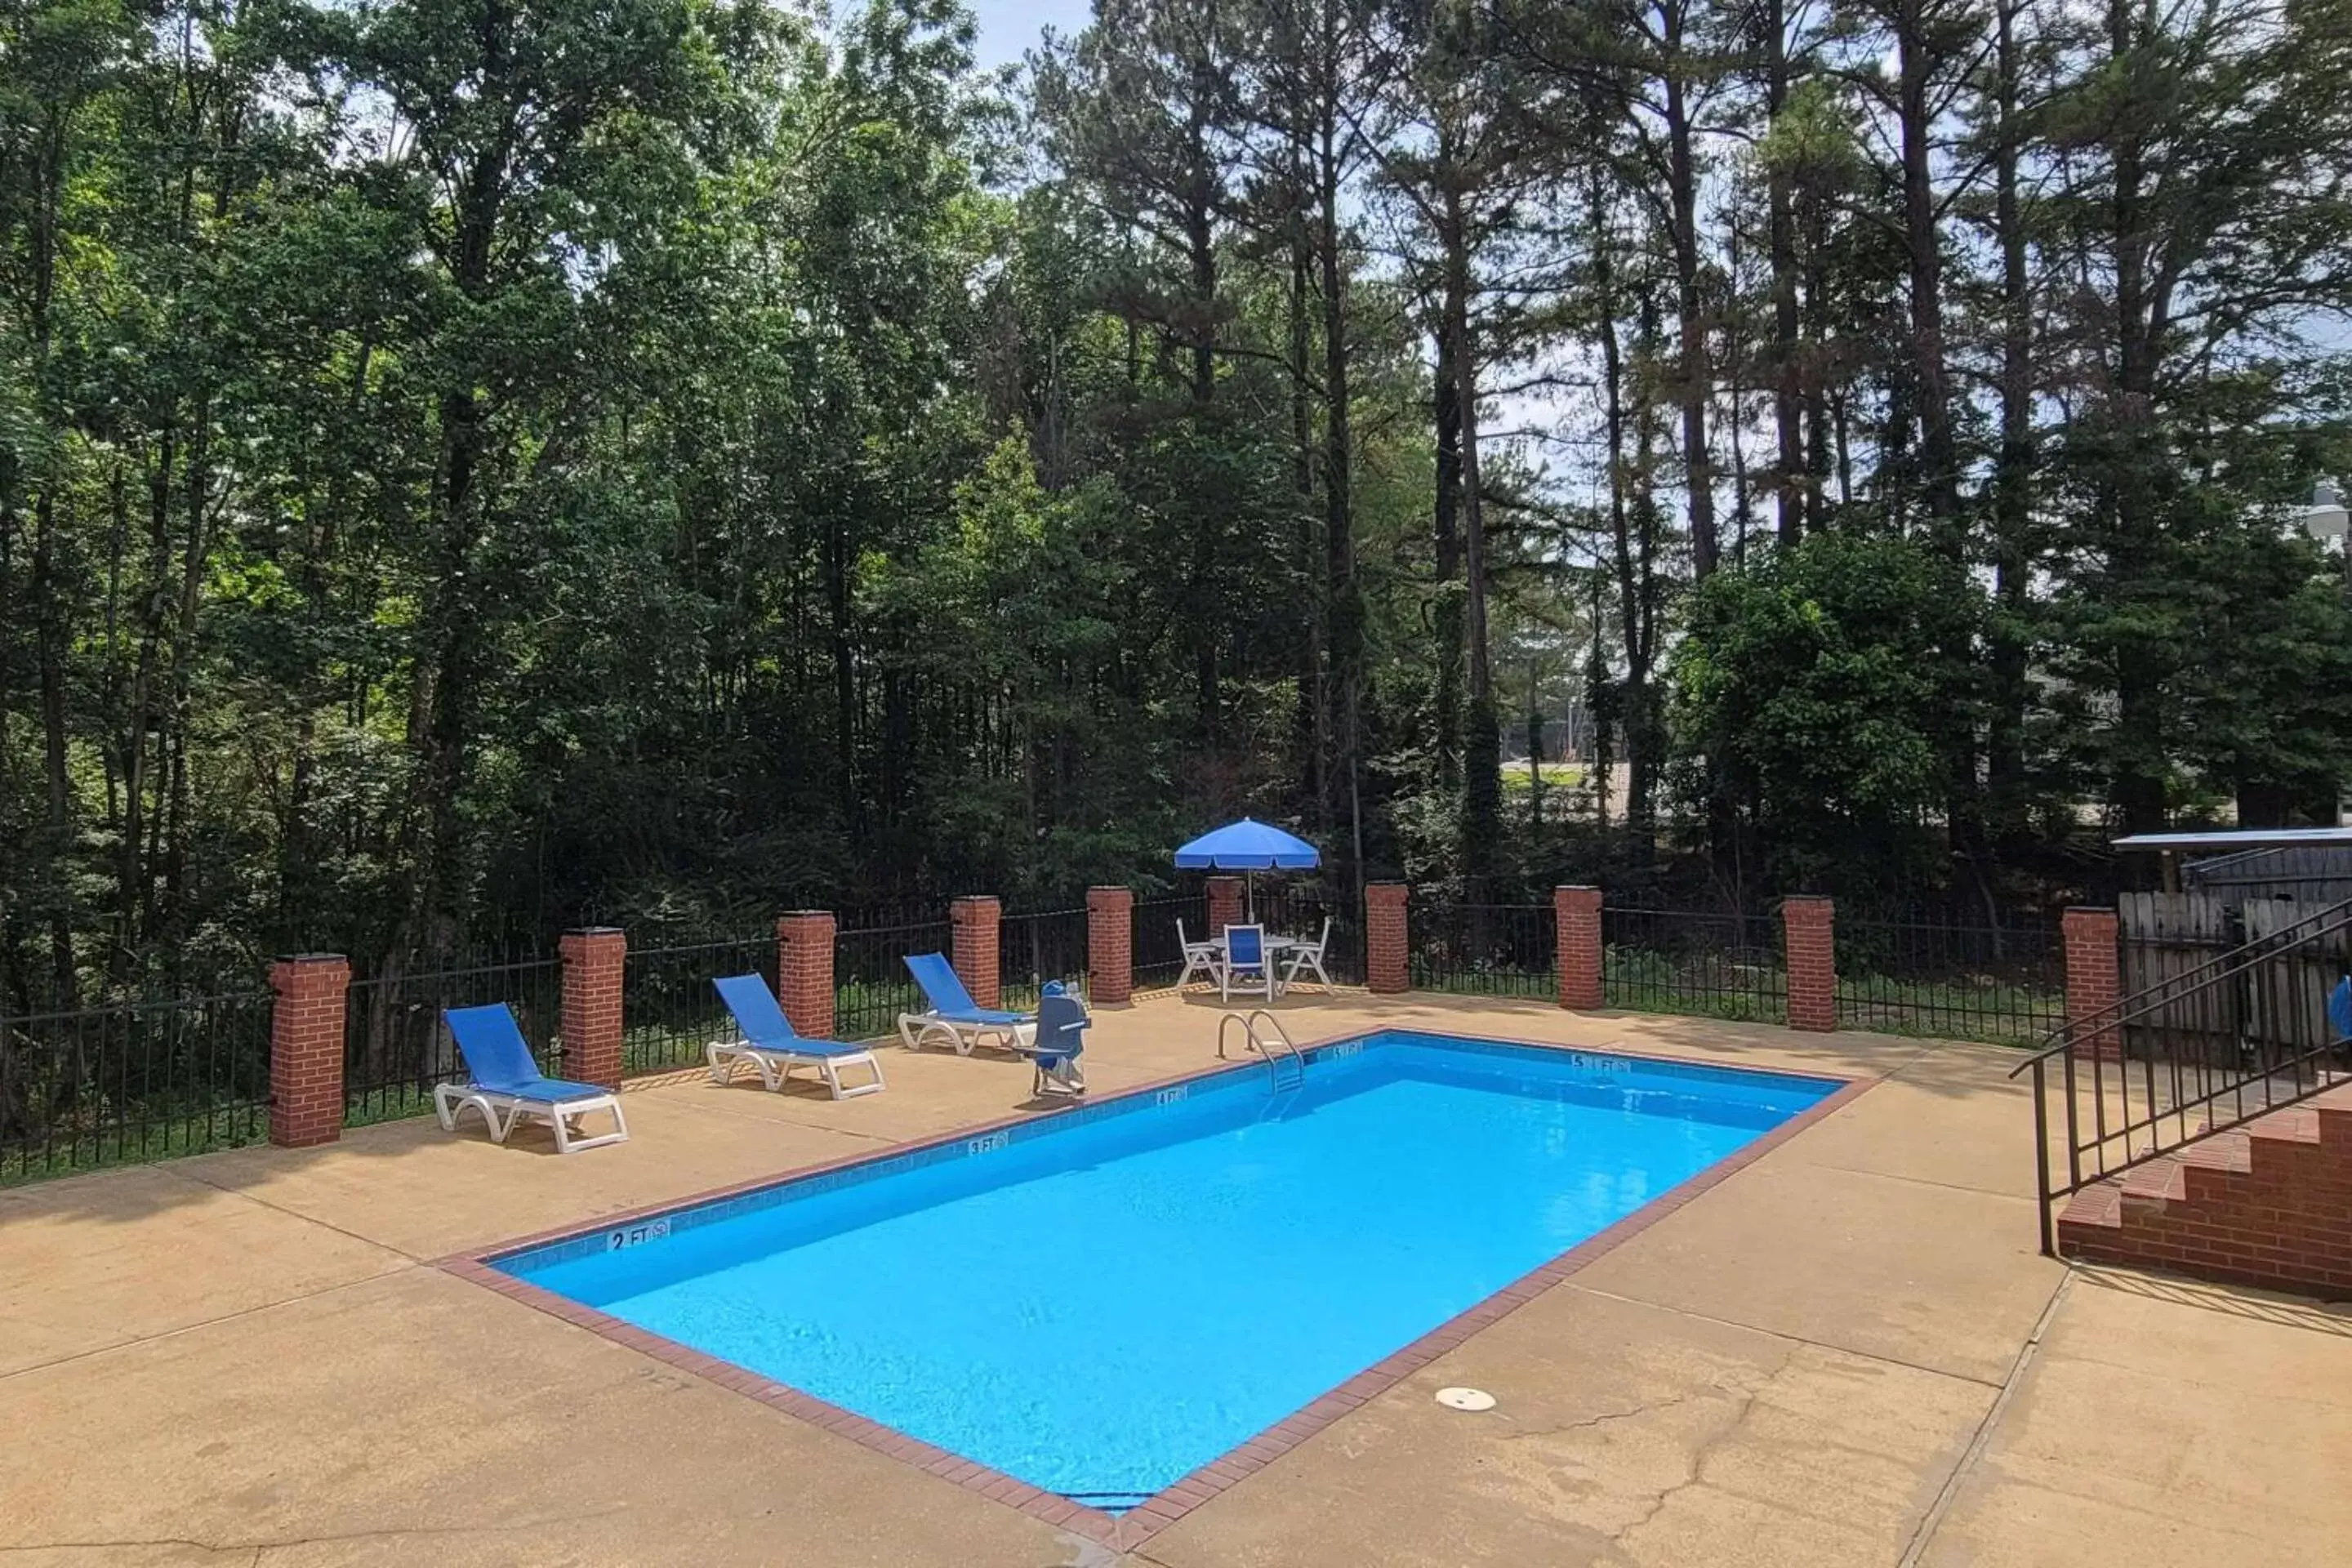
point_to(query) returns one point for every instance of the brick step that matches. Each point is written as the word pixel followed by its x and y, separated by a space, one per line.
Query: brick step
pixel 2295 1124
pixel 2100 1205
pixel 2267 1204
pixel 2334 1109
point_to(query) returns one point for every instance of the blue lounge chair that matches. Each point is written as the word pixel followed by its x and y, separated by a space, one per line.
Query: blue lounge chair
pixel 954 1016
pixel 507 1088
pixel 1247 968
pixel 1061 1038
pixel 768 1042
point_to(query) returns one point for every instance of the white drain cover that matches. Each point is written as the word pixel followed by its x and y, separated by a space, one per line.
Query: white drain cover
pixel 1466 1399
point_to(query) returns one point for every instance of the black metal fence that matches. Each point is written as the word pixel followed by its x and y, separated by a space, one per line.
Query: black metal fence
pixel 1286 908
pixel 1158 957
pixel 1958 981
pixel 871 982
pixel 1488 949
pixel 1048 944
pixel 130 1081
pixel 112 1085
pixel 670 1011
pixel 395 1049
pixel 1707 963
pixel 2197 1053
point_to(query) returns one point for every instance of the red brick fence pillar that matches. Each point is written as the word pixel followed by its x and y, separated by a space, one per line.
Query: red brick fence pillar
pixel 2093 983
pixel 593 962
pixel 1110 946
pixel 1224 904
pixel 306 1049
pixel 805 971
pixel 1810 925
pixel 1576 917
pixel 978 956
pixel 1386 968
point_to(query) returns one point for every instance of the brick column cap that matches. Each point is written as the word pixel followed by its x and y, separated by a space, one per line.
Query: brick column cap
pixel 1808 901
pixel 2087 913
pixel 796 917
pixel 309 972
pixel 1110 891
pixel 1576 893
pixel 1386 892
pixel 582 943
pixel 976 898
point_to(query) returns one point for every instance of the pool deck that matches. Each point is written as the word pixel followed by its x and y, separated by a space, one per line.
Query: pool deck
pixel 1846 1351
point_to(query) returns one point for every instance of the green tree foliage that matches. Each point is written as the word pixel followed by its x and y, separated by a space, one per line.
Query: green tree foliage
pixel 1815 687
pixel 468 467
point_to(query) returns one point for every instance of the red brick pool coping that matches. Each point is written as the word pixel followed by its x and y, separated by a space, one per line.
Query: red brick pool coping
pixel 1156 1513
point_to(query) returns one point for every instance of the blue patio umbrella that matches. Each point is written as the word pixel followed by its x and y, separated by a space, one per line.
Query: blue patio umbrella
pixel 1248 846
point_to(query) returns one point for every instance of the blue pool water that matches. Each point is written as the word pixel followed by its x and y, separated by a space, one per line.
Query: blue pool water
pixel 1104 1301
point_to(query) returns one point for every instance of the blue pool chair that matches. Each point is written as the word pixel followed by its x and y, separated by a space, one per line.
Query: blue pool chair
pixel 1062 1023
pixel 766 1040
pixel 954 1016
pixel 1247 968
pixel 507 1088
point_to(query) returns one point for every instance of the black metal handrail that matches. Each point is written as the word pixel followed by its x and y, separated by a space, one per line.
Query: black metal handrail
pixel 2173 987
pixel 2199 1053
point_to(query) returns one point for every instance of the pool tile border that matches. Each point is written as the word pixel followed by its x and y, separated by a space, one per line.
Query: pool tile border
pixel 1156 1513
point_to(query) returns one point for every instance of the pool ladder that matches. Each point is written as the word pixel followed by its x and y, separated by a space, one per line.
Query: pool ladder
pixel 1263 1045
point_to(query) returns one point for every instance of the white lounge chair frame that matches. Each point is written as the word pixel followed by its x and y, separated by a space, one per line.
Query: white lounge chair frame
pixel 917 1029
pixel 450 1101
pixel 1266 982
pixel 1202 957
pixel 1306 955
pixel 775 1065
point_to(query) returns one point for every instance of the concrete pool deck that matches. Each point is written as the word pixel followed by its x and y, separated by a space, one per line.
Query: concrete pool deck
pixel 1847 1351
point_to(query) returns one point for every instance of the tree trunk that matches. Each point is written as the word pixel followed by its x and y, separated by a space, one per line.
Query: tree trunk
pixel 1445 397
pixel 1693 373
pixel 2139 786
pixel 1347 605
pixel 2012 482
pixel 1789 460
pixel 1482 783
pixel 1939 457
pixel 1311 723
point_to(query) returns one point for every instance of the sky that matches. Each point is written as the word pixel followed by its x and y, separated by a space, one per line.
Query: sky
pixel 1010 28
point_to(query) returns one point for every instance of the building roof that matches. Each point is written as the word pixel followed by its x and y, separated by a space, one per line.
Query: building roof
pixel 2223 841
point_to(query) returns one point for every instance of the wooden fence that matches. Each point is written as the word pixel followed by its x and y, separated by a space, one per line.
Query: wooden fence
pixel 2279 1005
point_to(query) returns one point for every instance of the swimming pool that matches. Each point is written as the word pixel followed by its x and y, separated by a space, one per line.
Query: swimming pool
pixel 1100 1302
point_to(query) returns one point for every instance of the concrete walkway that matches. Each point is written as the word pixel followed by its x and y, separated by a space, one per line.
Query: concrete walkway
pixel 1847 1353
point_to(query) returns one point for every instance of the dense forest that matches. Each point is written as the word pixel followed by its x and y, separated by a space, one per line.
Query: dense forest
pixel 471 466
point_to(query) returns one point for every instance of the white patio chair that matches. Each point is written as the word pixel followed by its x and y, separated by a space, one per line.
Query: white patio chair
pixel 1202 957
pixel 1309 955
